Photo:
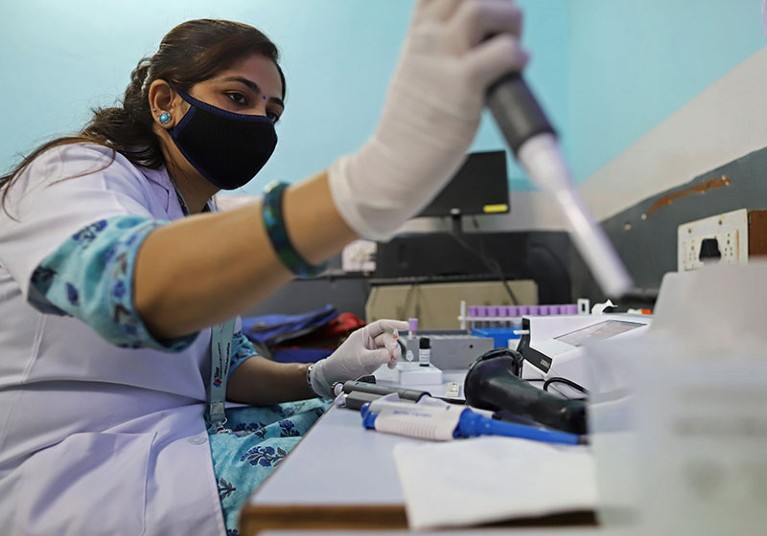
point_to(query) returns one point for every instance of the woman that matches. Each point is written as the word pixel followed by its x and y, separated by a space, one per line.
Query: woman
pixel 119 283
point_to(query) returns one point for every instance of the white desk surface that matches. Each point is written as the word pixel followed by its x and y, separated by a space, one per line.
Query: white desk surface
pixel 472 532
pixel 339 462
pixel 340 477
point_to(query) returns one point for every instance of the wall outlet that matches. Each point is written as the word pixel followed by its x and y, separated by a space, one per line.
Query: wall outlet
pixel 720 238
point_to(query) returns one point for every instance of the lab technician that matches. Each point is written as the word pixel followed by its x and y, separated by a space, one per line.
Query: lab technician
pixel 119 280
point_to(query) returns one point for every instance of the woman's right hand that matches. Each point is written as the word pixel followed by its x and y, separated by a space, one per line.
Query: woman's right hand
pixel 432 111
pixel 362 353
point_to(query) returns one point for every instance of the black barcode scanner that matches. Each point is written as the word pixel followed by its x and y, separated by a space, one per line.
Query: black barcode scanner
pixel 493 383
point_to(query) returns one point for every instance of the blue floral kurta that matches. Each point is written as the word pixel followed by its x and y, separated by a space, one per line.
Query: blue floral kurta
pixel 90 277
pixel 142 381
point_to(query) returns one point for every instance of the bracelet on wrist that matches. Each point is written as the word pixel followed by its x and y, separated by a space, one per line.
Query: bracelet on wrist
pixel 309 378
pixel 276 230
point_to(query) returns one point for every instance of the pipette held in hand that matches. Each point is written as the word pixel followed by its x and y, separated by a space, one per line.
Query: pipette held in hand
pixel 532 139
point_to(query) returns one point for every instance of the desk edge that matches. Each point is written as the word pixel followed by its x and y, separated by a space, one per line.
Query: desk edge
pixel 257 518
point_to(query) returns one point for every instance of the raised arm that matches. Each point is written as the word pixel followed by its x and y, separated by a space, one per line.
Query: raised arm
pixel 207 268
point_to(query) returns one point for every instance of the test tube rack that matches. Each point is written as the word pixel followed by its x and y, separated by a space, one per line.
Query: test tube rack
pixel 471 316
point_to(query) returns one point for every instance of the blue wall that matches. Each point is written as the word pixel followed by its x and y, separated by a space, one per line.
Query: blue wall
pixel 61 58
pixel 634 63
pixel 606 70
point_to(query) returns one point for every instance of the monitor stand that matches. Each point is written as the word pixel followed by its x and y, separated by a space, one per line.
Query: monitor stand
pixel 456 222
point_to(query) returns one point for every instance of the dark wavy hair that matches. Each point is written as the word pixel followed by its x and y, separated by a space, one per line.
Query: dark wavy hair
pixel 190 53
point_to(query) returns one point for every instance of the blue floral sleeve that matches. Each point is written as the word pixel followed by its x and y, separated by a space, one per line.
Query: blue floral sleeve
pixel 242 349
pixel 90 277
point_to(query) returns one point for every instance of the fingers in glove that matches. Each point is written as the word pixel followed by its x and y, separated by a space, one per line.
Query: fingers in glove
pixel 476 20
pixel 372 359
pixel 436 9
pixel 385 339
pixel 390 341
pixel 498 56
pixel 384 325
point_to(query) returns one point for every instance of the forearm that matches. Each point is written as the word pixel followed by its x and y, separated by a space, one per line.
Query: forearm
pixel 261 382
pixel 205 269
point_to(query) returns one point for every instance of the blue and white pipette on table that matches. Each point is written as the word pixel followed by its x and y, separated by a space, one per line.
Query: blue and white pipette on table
pixel 434 419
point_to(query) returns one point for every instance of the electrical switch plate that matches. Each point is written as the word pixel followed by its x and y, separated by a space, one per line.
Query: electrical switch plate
pixel 729 230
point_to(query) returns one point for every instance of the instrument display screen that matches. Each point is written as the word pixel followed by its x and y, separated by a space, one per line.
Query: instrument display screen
pixel 598 332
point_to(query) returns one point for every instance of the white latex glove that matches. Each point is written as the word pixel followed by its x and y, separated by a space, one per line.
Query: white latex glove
pixel 362 353
pixel 431 114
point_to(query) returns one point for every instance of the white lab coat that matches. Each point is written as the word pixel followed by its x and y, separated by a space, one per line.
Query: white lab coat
pixel 94 439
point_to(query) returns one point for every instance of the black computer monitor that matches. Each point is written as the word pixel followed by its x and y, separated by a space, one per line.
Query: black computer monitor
pixel 481 186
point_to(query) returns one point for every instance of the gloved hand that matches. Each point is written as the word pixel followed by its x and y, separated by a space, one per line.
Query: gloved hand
pixel 431 114
pixel 362 353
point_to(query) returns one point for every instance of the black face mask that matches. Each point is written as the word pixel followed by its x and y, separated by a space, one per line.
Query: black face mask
pixel 228 149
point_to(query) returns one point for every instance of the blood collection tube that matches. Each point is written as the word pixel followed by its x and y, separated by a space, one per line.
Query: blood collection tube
pixel 412 328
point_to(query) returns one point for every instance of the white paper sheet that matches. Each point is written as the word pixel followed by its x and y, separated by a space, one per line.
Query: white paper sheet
pixel 487 479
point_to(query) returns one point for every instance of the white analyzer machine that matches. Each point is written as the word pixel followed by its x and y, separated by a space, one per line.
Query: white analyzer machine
pixel 554 347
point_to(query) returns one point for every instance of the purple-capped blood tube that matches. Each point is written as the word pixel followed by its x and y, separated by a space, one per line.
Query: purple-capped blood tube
pixel 492 313
pixel 570 309
pixel 503 311
pixel 473 314
pixel 412 328
pixel 482 312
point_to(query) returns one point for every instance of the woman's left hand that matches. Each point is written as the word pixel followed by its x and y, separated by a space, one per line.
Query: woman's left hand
pixel 362 353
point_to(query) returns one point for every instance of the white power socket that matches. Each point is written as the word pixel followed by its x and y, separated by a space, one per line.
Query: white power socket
pixel 730 230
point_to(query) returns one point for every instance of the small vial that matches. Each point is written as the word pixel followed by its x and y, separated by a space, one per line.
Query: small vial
pixel 424 351
pixel 412 328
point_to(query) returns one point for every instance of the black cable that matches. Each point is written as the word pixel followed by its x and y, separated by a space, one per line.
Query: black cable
pixel 559 261
pixel 491 264
pixel 565 381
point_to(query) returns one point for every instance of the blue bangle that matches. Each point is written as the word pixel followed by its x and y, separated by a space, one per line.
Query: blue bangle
pixel 274 222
